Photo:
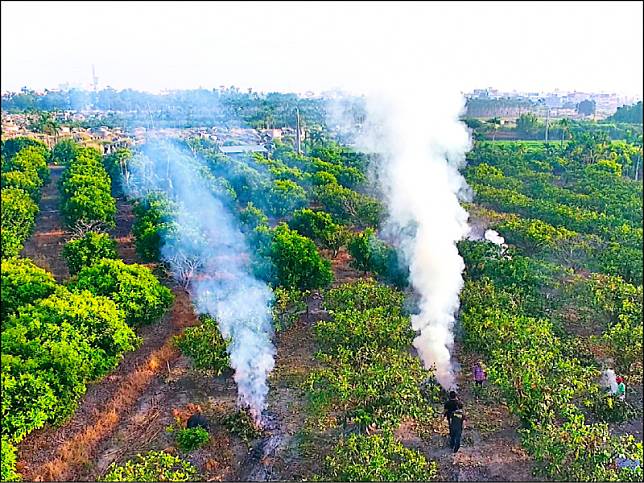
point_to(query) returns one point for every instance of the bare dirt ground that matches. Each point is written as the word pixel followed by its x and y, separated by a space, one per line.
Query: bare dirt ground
pixel 123 231
pixel 343 272
pixel 45 245
pixel 490 446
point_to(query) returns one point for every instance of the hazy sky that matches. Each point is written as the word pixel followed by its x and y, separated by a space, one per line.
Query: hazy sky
pixel 587 46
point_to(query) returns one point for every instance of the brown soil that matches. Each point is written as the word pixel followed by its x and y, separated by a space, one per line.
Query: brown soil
pixel 45 246
pixel 342 270
pixel 123 231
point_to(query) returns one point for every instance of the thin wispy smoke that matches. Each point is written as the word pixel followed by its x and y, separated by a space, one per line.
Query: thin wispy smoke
pixel 207 248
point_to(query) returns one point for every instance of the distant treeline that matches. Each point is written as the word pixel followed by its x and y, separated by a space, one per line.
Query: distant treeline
pixel 183 108
pixel 632 113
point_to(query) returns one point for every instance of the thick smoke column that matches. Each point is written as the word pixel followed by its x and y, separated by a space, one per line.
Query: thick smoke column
pixel 422 144
pixel 207 240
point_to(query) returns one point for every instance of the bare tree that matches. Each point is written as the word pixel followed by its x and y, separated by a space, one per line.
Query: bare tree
pixel 184 267
pixel 82 227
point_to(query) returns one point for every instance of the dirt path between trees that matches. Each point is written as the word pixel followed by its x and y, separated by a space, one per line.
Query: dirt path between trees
pixel 45 245
pixel 123 232
pixel 490 446
pixel 62 453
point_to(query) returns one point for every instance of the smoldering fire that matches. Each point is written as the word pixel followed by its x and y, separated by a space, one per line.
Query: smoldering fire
pixel 206 235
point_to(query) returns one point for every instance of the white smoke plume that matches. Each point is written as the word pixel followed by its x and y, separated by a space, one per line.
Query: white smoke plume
pixel 422 144
pixel 609 380
pixel 208 240
pixel 494 237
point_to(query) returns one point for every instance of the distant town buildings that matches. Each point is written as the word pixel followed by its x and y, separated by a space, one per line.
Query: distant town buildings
pixel 558 103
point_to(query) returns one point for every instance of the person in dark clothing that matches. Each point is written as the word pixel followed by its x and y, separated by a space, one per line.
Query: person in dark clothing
pixel 197 421
pixel 452 405
pixel 456 429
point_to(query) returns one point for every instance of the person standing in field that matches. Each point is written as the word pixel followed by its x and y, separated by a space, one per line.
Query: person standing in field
pixel 456 429
pixel 451 406
pixel 479 374
pixel 621 388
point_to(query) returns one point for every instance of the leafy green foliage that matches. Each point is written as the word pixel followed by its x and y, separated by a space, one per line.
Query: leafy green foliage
pixel 116 165
pixel 51 349
pixel 10 147
pixel 319 227
pixel 376 328
pixel 369 377
pixel 241 424
pixel 134 288
pixel 576 451
pixel 205 345
pixel 285 196
pixel 152 466
pixel 575 203
pixel 251 217
pixel 18 218
pixel 370 254
pixel 368 386
pixel 377 457
pixel 31 159
pixel 27 398
pixel 545 376
pixel 151 223
pixel 349 206
pixel 89 249
pixel 29 182
pixel 288 306
pixel 189 439
pixel 632 113
pixel 23 283
pixel 8 462
pixel 297 261
pixel 64 152
pixel 23 174
pixel 85 189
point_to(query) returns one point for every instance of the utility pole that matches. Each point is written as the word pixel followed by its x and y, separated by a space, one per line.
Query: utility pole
pixel 95 86
pixel 298 147
pixel 547 120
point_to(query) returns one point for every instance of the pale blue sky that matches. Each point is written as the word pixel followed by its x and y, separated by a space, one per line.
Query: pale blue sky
pixel 300 46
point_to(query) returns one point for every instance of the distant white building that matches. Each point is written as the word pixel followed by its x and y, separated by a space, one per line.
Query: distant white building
pixel 243 149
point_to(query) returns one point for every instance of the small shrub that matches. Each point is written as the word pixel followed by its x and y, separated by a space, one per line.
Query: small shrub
pixel 297 261
pixel 241 424
pixel 153 466
pixel 189 439
pixel 287 307
pixel 85 251
pixel 23 282
pixel 205 345
pixel 134 288
pixel 378 457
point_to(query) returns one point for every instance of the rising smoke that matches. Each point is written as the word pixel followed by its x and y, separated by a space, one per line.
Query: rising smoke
pixel 609 380
pixel 207 248
pixel 421 145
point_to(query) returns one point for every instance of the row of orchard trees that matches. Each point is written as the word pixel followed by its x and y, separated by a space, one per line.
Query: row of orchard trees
pixel 570 203
pixel 24 172
pixel 546 326
pixel 294 209
pixel 58 338
pixel 297 211
pixel 549 377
